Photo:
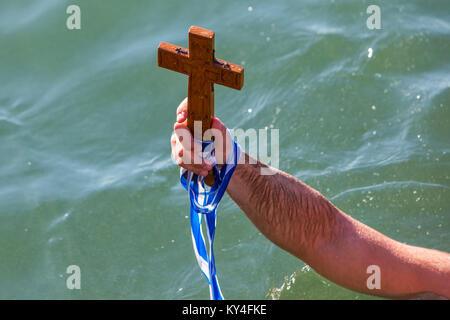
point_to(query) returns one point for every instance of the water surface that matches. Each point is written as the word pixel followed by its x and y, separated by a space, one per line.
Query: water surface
pixel 86 176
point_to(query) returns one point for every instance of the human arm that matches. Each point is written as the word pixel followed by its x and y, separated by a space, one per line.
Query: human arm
pixel 303 222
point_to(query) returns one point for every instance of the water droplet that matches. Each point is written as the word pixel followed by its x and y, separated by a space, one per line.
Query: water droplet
pixel 250 9
pixel 369 52
pixel 306 268
pixel 250 110
pixel 374 108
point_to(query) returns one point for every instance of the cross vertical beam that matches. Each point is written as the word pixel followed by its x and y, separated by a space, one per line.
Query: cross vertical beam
pixel 200 88
pixel 203 69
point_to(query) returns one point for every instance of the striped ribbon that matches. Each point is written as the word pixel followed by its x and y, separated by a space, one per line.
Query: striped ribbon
pixel 204 203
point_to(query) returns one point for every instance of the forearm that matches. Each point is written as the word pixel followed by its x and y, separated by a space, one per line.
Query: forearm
pixel 301 221
pixel 288 212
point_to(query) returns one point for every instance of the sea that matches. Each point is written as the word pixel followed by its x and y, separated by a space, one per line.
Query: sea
pixel 91 206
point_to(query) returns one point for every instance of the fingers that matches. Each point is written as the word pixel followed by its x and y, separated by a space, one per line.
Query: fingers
pixel 182 116
pixel 223 146
pixel 186 152
pixel 188 143
pixel 219 125
pixel 182 111
pixel 184 135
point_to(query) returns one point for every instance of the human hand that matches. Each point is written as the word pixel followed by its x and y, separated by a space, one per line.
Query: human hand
pixel 187 152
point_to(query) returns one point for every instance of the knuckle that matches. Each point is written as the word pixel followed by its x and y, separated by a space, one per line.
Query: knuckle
pixel 173 138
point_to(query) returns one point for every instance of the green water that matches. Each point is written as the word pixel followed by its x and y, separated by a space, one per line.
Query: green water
pixel 86 176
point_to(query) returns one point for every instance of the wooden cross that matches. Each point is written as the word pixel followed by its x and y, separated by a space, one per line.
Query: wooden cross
pixel 203 70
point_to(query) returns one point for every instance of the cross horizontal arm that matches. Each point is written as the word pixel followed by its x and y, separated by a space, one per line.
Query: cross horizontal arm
pixel 221 72
pixel 173 58
pixel 228 75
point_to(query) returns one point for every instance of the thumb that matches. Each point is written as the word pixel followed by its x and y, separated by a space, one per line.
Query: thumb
pixel 223 146
pixel 218 125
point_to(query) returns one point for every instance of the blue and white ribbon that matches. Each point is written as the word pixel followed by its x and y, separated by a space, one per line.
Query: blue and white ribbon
pixel 204 202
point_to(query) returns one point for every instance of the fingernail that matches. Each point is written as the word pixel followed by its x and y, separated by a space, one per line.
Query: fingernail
pixel 181 116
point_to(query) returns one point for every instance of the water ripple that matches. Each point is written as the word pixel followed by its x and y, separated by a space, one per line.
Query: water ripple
pixel 389 185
